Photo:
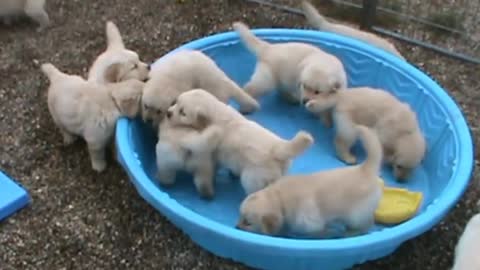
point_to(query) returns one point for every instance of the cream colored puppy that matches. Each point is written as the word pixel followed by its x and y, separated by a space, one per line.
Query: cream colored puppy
pixel 183 71
pixel 321 23
pixel 466 252
pixel 35 9
pixel 292 68
pixel 394 121
pixel 186 148
pixel 117 63
pixel 247 149
pixel 90 110
pixel 306 204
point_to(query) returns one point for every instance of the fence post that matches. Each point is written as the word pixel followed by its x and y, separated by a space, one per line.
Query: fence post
pixel 368 14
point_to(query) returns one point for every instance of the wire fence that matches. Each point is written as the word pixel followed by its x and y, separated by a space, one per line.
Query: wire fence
pixel 450 27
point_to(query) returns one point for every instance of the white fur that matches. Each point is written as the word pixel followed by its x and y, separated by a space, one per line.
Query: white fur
pixel 321 23
pixel 467 256
pixel 254 153
pixel 185 148
pixel 292 67
pixel 90 110
pixel 117 63
pixel 184 71
pixel 307 204
pixel 394 122
pixel 35 9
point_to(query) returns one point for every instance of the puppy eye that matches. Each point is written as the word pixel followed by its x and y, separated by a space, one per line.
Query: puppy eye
pixel 135 66
pixel 182 112
pixel 159 111
pixel 316 92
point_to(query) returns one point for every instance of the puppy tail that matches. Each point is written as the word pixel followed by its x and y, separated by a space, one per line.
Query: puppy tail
pixel 290 149
pixel 114 38
pixel 318 21
pixel 247 103
pixel 51 71
pixel 374 150
pixel 253 43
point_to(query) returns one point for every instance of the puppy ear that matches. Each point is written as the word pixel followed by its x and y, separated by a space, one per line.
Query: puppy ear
pixel 271 224
pixel 114 39
pixel 336 86
pixel 112 74
pixel 201 119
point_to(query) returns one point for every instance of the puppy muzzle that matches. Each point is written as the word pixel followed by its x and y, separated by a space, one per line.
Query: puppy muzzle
pixel 305 101
pixel 169 114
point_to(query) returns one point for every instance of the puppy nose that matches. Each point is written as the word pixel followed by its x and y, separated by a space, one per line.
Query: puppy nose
pixel 149 66
pixel 169 114
pixel 305 101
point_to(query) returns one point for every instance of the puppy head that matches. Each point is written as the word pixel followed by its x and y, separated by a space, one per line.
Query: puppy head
pixel 192 109
pixel 117 63
pixel 124 65
pixel 155 103
pixel 127 96
pixel 259 214
pixel 318 83
pixel 407 154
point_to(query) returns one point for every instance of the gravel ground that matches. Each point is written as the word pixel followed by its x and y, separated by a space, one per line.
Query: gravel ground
pixel 82 220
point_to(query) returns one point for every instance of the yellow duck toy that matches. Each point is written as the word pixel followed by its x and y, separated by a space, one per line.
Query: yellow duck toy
pixel 397 205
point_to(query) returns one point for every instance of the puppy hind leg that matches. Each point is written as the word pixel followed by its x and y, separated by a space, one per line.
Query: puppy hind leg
pixel 345 138
pixel 68 138
pixel 203 179
pixel 35 10
pixel 261 82
pixel 357 225
pixel 97 157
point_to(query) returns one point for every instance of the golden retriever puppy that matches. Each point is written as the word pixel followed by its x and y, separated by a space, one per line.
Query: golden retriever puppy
pixel 292 68
pixel 466 251
pixel 35 9
pixel 307 204
pixel 184 71
pixel 90 110
pixel 186 148
pixel 117 63
pixel 319 22
pixel 394 121
pixel 247 149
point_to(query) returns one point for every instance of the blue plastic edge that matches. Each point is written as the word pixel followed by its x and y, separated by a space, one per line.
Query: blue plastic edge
pixel 397 234
pixel 19 198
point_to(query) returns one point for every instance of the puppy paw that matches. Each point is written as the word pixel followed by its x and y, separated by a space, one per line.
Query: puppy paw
pixel 68 139
pixel 166 178
pixel 311 105
pixel 99 166
pixel 349 159
pixel 206 192
pixel 326 118
pixel 249 108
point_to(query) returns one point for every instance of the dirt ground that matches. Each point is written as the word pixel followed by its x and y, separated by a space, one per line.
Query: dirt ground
pixel 82 220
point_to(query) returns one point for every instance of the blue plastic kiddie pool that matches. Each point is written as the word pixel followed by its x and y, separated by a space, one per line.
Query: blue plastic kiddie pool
pixel 442 177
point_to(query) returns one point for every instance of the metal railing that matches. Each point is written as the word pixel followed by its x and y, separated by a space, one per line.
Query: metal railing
pixel 449 27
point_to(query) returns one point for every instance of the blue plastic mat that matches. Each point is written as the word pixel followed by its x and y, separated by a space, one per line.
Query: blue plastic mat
pixel 12 197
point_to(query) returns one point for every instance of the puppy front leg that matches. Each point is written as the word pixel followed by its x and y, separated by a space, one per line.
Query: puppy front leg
pixel 262 81
pixel 203 179
pixel 97 157
pixel 326 118
pixel 166 176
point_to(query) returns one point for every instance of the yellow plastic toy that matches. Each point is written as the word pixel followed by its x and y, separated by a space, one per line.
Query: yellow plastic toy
pixel 397 205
